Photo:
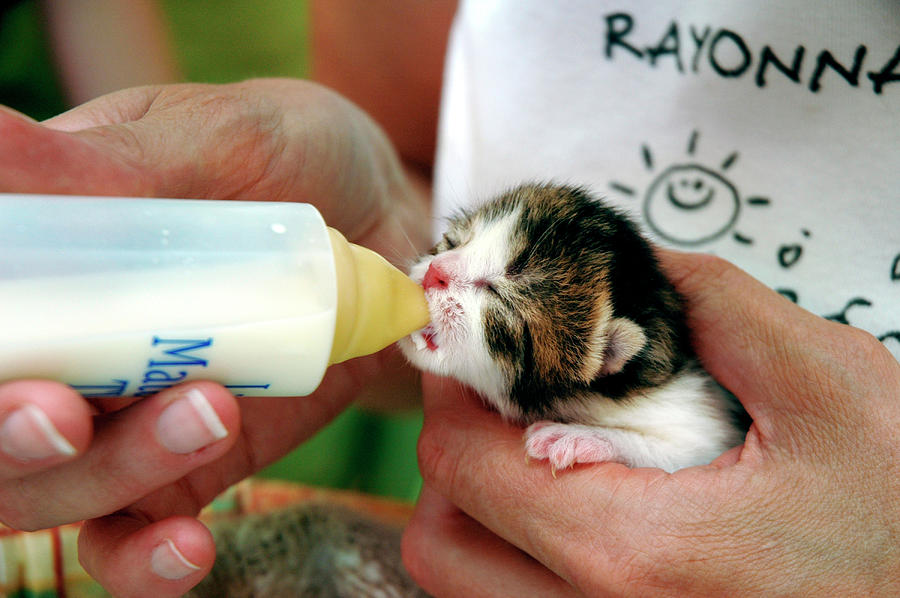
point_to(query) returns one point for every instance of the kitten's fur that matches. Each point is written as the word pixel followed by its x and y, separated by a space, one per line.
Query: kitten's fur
pixel 307 551
pixel 552 306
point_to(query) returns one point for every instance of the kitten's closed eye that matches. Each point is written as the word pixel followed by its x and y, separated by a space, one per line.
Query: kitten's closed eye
pixel 447 243
pixel 487 285
pixel 551 306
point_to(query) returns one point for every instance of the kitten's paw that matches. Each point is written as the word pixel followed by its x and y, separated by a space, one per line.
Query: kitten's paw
pixel 563 445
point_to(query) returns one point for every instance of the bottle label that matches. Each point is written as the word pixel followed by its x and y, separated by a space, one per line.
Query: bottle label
pixel 281 358
pixel 171 361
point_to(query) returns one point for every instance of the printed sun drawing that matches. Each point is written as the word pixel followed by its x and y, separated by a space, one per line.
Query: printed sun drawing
pixel 690 204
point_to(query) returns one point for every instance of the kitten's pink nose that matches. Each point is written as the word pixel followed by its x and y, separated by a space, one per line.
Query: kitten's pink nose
pixel 435 277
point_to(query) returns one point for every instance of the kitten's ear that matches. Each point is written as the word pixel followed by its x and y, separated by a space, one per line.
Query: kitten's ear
pixel 616 341
pixel 624 339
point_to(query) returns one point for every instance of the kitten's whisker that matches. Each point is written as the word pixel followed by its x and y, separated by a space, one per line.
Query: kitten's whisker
pixel 545 235
pixel 399 255
pixel 415 250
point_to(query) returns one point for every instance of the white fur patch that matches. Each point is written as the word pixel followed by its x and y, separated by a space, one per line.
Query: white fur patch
pixel 683 423
pixel 457 311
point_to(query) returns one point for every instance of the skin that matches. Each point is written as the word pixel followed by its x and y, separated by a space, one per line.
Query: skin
pixel 806 506
pixel 134 49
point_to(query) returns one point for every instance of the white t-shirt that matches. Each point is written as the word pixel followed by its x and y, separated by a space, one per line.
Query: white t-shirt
pixel 766 132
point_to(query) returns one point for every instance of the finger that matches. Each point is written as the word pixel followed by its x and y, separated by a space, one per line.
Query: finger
pixel 131 558
pixel 42 424
pixel 477 461
pixel 135 451
pixel 11 113
pixel 118 107
pixel 78 166
pixel 450 554
pixel 778 358
pixel 270 428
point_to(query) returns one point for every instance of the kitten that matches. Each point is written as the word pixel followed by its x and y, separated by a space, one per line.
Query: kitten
pixel 307 551
pixel 553 308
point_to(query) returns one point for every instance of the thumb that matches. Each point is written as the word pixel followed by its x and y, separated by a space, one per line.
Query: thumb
pixel 38 159
pixel 132 558
pixel 783 363
pixel 115 108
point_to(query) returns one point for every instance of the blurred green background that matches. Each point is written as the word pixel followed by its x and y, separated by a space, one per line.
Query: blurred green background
pixel 218 41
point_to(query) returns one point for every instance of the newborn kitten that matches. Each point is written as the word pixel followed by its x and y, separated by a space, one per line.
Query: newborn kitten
pixel 553 308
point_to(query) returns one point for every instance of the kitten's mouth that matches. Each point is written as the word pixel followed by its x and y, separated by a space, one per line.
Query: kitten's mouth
pixel 428 336
pixel 425 339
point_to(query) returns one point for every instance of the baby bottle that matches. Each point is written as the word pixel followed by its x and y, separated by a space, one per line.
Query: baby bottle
pixel 125 296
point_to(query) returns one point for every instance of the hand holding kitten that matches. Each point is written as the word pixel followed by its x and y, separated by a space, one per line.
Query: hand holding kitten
pixel 807 505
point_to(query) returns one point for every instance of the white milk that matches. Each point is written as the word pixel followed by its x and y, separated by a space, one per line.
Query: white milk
pixel 137 332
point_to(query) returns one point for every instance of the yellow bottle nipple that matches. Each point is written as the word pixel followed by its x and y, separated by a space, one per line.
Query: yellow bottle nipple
pixel 376 303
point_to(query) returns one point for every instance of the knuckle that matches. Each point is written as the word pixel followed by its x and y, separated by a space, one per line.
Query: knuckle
pixel 858 342
pixel 430 451
pixel 848 345
pixel 438 465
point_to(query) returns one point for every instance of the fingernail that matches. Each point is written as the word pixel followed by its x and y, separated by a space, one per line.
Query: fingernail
pixel 189 424
pixel 27 434
pixel 168 562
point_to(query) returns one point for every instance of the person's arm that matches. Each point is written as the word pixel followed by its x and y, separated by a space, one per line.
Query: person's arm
pixel 101 46
pixel 806 506
pixel 387 56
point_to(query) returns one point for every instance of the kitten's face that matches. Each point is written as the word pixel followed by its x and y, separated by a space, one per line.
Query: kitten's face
pixel 519 300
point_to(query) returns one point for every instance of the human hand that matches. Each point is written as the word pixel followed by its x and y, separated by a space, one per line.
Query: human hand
pixel 806 506
pixel 264 139
pixel 121 463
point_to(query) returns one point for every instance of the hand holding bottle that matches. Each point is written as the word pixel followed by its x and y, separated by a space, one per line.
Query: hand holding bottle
pixel 156 461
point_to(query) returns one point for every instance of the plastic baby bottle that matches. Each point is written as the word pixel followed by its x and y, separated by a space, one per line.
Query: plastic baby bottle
pixel 125 296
